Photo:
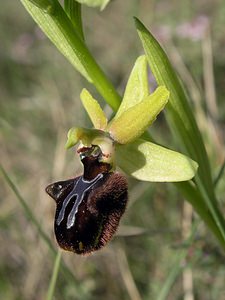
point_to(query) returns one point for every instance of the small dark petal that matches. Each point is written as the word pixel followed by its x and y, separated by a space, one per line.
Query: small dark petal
pixel 59 190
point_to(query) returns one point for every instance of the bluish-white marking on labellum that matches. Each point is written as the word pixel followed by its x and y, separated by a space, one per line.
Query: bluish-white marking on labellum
pixel 77 194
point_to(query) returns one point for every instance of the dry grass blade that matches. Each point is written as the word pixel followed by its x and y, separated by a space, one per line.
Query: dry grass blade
pixel 127 275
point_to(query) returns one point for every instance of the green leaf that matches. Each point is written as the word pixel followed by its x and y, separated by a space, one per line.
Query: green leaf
pixel 133 122
pixel 53 25
pixel 61 31
pixel 150 162
pixel 137 86
pixel 179 113
pixel 181 119
pixel 95 3
pixel 94 110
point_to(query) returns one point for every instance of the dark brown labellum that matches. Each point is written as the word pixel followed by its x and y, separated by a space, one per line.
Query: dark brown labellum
pixel 88 207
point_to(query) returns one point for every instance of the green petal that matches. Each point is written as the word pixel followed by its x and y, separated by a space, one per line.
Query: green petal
pixel 94 110
pixel 133 122
pixel 150 162
pixel 137 86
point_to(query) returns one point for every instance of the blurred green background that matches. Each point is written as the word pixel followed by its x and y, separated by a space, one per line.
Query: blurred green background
pixel 151 256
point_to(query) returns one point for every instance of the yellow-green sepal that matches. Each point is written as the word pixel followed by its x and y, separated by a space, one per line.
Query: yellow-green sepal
pixel 137 86
pixel 84 135
pixel 132 123
pixel 73 137
pixel 146 161
pixel 94 110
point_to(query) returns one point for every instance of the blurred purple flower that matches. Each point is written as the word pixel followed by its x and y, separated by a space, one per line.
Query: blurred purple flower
pixel 194 30
pixel 22 45
pixel 162 33
pixel 19 51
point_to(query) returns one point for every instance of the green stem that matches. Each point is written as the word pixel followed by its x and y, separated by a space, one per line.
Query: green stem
pixel 98 77
pixel 31 217
pixel 55 273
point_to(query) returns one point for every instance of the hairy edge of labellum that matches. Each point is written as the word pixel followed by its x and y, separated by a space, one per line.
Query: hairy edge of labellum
pixel 109 200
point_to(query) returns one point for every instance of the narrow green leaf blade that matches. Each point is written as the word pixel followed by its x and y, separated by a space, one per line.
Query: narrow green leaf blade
pixel 52 25
pixel 94 110
pixel 28 212
pixel 59 28
pixel 133 122
pixel 73 10
pixel 179 112
pixel 55 273
pixel 137 86
pixel 150 162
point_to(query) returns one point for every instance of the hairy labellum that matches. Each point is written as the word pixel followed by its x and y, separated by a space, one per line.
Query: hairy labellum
pixel 88 207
